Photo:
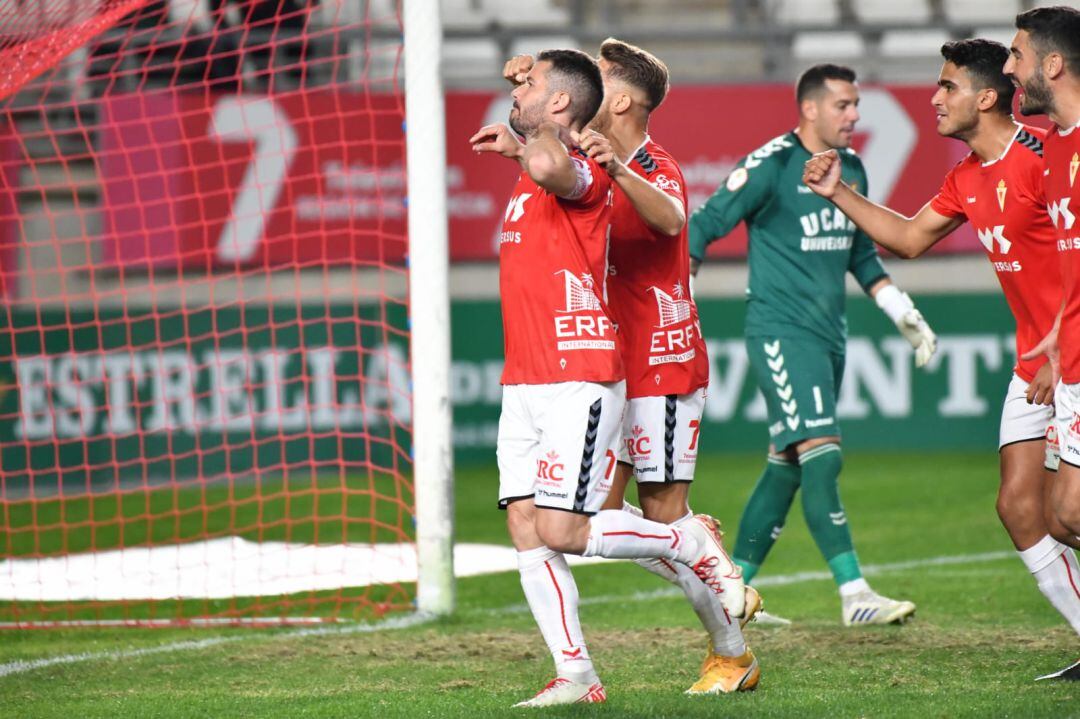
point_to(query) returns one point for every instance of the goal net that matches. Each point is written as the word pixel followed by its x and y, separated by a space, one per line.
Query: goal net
pixel 206 409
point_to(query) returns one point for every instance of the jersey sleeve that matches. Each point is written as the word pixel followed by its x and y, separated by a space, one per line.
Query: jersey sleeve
pixel 663 174
pixel 743 194
pixel 947 202
pixel 865 263
pixel 591 185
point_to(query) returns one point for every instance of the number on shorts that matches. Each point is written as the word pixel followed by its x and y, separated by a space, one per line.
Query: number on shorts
pixel 611 460
pixel 696 426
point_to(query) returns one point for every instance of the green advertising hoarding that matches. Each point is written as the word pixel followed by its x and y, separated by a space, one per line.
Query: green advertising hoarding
pixel 95 397
pixel 885 402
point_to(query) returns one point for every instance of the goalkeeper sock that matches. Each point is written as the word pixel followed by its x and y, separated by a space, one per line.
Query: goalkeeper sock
pixel 1056 572
pixel 824 513
pixel 726 635
pixel 552 595
pixel 616 534
pixel 765 513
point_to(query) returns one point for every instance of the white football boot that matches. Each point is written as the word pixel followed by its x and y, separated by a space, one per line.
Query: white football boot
pixel 713 565
pixel 869 607
pixel 563 691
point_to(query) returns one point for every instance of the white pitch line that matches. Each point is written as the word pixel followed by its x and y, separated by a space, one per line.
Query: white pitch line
pixel 413 620
pixel 20 667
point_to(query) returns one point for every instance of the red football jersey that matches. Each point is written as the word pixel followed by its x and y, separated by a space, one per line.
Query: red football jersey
pixel 663 349
pixel 1062 185
pixel 1005 204
pixel 552 275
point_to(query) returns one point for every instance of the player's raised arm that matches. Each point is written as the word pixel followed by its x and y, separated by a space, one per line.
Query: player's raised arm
pixel 547 161
pixel 660 211
pixel 908 237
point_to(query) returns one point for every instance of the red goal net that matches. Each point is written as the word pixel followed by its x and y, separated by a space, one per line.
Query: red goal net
pixel 205 401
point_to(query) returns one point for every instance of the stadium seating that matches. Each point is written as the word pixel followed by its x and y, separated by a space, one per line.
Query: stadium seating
pixel 892 11
pixel 841 45
pixel 807 12
pixel 980 11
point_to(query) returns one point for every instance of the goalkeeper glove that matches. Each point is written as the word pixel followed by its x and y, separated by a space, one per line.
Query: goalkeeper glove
pixel 901 310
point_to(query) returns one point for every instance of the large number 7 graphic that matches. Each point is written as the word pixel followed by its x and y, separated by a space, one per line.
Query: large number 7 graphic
pixel 244 119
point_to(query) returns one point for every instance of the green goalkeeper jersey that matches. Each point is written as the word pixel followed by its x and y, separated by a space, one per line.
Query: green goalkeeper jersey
pixel 801 246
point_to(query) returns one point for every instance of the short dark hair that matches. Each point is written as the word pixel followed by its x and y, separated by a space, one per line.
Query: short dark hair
pixel 813 80
pixel 984 61
pixel 638 67
pixel 1054 29
pixel 578 74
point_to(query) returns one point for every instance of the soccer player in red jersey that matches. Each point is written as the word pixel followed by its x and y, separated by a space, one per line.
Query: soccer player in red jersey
pixel 564 382
pixel 998 188
pixel 1045 63
pixel 664 353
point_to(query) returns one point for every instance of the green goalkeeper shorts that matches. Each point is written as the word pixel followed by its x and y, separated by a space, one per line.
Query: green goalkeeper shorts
pixel 801 382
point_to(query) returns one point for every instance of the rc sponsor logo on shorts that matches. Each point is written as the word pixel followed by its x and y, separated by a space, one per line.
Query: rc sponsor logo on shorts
pixel 638 444
pixel 582 324
pixel 549 470
pixel 675 334
pixel 1074 426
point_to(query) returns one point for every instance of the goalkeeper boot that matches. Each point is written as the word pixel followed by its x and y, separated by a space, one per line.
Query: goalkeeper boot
pixel 564 691
pixel 869 607
pixel 1070 673
pixel 713 566
pixel 724 675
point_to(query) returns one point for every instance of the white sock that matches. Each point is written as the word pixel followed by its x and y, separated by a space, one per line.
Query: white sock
pixel 553 598
pixel 726 635
pixel 855 586
pixel 616 534
pixel 1056 572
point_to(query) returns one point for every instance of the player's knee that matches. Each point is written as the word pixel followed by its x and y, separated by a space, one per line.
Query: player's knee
pixel 1017 507
pixel 520 523
pixel 563 532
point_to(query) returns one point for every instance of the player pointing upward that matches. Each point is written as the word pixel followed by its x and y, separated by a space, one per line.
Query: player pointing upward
pixel 999 189
pixel 663 350
pixel 564 389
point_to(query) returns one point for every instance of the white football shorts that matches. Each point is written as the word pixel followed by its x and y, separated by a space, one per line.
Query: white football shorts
pixel 1067 419
pixel 660 436
pixel 557 443
pixel 1022 422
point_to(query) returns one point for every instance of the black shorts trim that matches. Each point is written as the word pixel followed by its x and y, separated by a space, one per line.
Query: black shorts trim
pixel 665 482
pixel 507 501
pixel 1022 441
pixel 671 403
pixel 569 511
pixel 587 454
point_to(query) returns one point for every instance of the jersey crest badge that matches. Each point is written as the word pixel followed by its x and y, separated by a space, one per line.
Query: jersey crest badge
pixel 1073 167
pixel 1001 192
pixel 736 179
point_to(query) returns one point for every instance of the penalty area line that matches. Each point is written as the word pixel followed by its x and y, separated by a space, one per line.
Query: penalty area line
pixel 418 619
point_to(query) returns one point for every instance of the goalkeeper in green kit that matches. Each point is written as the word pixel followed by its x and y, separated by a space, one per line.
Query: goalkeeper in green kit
pixel 801 248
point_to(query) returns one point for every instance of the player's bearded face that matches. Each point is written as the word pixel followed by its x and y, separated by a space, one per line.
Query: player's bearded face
pixel 1036 98
pixel 530 99
pixel 1025 68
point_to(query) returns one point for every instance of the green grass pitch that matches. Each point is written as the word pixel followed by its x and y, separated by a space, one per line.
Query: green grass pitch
pixel 982 631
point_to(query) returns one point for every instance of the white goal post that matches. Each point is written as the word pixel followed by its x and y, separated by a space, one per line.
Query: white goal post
pixel 429 305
